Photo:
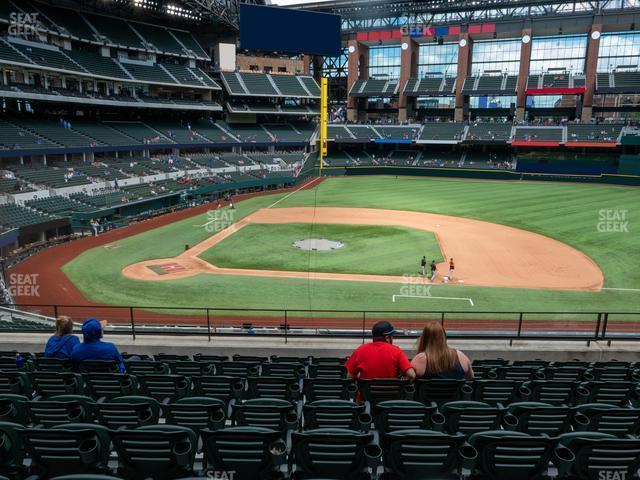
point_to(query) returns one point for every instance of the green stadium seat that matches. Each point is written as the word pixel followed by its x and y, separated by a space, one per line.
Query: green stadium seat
pixel 87 476
pixel 503 455
pixel 250 358
pixel 518 374
pixel 224 388
pixel 298 360
pixel 273 413
pixel 164 387
pixel 282 369
pixel 159 451
pixel 327 371
pixel 146 367
pixel 286 388
pixel 51 364
pixel 333 453
pixel 109 385
pixel 566 373
pixel 537 418
pixel 335 414
pixel 467 417
pixel 391 415
pixel 196 413
pixel 15 382
pixel 11 450
pixel 190 368
pixel 495 392
pixel 73 448
pixel 9 363
pixel 615 393
pixel 595 456
pixel 13 408
pixel 60 410
pixel 128 412
pixel 48 384
pixel 171 357
pixel 441 391
pixel 550 391
pixel 623 374
pixel 379 390
pixel 329 388
pixel 423 454
pixel 99 366
pixel 199 357
pixel 237 368
pixel 609 419
pixel 250 452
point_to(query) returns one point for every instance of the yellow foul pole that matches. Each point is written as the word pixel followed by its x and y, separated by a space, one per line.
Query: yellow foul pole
pixel 324 119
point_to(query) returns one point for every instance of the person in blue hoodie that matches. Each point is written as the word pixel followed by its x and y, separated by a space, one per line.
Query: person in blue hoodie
pixel 61 344
pixel 92 346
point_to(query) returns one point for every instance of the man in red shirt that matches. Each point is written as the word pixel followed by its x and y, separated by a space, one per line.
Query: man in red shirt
pixel 380 358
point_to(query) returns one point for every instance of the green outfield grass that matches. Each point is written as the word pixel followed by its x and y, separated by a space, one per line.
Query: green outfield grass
pixel 568 212
pixel 367 249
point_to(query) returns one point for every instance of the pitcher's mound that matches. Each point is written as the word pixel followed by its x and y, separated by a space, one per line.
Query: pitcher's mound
pixel 321 244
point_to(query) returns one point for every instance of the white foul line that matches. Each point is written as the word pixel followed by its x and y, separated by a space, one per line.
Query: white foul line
pixel 295 191
pixel 623 289
pixel 393 298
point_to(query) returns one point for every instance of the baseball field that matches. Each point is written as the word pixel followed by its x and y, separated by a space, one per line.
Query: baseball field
pixel 518 246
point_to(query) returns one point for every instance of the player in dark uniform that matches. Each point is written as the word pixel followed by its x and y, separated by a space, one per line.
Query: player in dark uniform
pixel 434 270
pixel 423 265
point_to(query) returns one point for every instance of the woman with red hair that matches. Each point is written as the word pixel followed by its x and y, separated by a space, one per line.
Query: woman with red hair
pixel 435 359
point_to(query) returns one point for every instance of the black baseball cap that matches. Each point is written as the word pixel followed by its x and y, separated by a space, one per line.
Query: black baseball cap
pixel 383 328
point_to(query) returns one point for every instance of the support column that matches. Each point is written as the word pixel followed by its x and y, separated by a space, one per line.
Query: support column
pixel 306 64
pixel 523 73
pixel 464 67
pixel 358 64
pixel 408 69
pixel 590 70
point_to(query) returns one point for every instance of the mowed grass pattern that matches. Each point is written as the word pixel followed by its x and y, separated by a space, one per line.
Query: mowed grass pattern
pixel 366 249
pixel 567 212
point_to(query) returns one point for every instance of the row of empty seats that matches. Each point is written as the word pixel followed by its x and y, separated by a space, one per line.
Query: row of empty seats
pixel 270 85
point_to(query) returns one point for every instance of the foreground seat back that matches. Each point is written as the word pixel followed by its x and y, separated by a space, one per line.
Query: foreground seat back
pixel 13 408
pixel 237 368
pixel 614 393
pixel 11 449
pixel 99 366
pixel 535 418
pixel 469 417
pixel 52 364
pixel 164 387
pixel 554 392
pixel 272 413
pixel 58 411
pixel 224 388
pixel 128 412
pixel 441 391
pixel 335 414
pixel 378 390
pixel 610 419
pixel 196 413
pixel 329 388
pixel 494 392
pixel 251 452
pixel 146 367
pixel 422 454
pixel 392 415
pixel 503 455
pixel 333 453
pixel 159 452
pixel 68 449
pixel 594 456
pixel 286 388
pixel 49 384
pixel 17 383
pixel 109 385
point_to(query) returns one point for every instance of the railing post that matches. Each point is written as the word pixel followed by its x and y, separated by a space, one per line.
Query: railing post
pixel 520 325
pixel 442 319
pixel 364 325
pixel 55 311
pixel 286 327
pixel 604 326
pixel 208 325
pixel 598 322
pixel 133 323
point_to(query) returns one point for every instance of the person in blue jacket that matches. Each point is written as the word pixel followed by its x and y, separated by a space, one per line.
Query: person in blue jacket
pixel 61 344
pixel 92 346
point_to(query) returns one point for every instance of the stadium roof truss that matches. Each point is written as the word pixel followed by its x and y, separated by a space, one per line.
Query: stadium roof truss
pixel 367 14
